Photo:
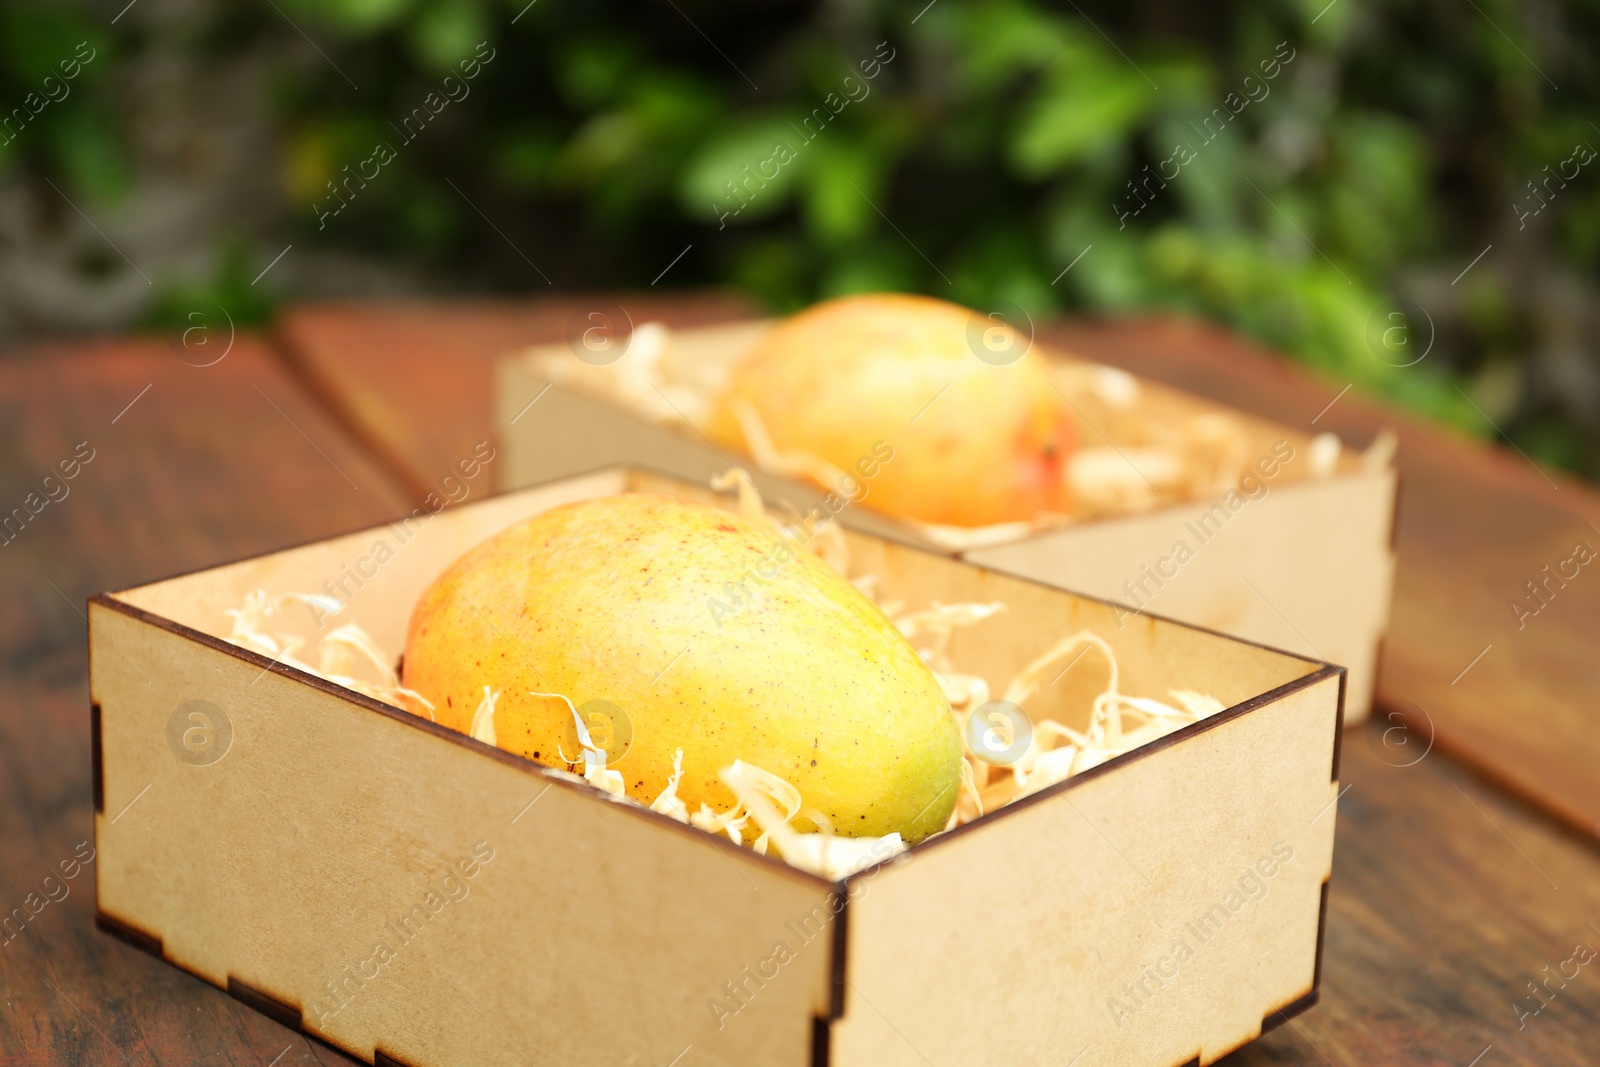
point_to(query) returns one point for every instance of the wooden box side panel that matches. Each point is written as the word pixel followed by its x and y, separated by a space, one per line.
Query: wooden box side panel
pixel 378 574
pixel 1307 567
pixel 1138 918
pixel 423 895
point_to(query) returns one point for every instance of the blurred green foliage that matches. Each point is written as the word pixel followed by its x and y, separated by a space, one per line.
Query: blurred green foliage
pixel 994 144
pixel 68 124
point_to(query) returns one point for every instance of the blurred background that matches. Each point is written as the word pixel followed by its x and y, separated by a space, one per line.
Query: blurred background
pixel 1404 193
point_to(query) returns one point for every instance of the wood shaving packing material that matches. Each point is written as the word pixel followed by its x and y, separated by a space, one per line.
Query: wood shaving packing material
pixel 337 651
pixel 773 803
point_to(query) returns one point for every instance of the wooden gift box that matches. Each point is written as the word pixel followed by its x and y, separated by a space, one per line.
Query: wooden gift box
pixel 1308 566
pixel 412 896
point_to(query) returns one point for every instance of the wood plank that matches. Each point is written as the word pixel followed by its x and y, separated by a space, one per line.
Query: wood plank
pixel 412 381
pixel 207 464
pixel 1475 523
pixel 190 467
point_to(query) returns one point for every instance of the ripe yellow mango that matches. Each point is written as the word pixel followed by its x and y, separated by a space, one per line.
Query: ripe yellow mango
pixel 976 440
pixel 634 600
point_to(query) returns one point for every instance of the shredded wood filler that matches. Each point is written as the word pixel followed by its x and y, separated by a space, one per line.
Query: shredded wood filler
pixel 1118 722
pixel 341 653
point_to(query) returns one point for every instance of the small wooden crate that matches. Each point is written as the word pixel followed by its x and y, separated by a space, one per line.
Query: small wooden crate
pixel 412 896
pixel 1309 566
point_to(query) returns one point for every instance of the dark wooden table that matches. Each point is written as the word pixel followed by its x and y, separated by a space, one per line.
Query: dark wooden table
pixel 1475 524
pixel 206 465
pixel 1451 892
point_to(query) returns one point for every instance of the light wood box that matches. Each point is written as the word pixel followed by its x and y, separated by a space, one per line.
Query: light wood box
pixel 1308 567
pixel 599 933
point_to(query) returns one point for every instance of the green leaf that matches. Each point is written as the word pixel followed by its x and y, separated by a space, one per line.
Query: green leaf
pixel 998 43
pixel 352 18
pixel 35 40
pixel 608 141
pixel 521 159
pixel 873 268
pixel 446 32
pixel 776 270
pixel 675 106
pixel 1077 113
pixel 214 304
pixel 841 177
pixel 86 148
pixel 747 173
pixel 1210 187
pixel 593 72
pixel 1111 276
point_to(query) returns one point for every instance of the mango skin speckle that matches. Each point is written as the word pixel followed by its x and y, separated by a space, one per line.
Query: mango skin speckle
pixel 612 599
